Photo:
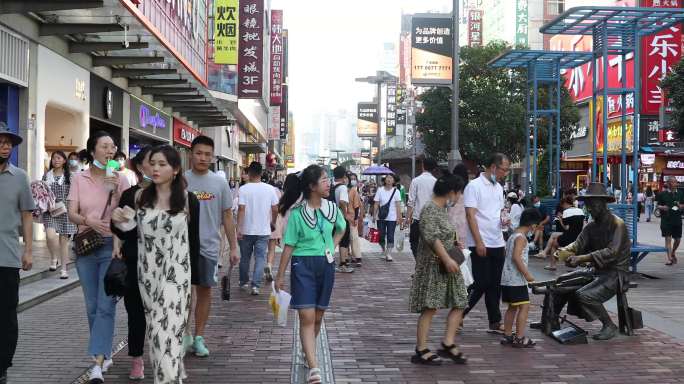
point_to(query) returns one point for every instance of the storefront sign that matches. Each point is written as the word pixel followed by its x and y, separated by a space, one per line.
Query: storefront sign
pixel 183 134
pixel 80 92
pixel 653 131
pixel 109 103
pixel 149 119
pixel 277 78
pixel 391 110
pixel 106 100
pixel 274 129
pixel 431 49
pixel 674 164
pixel 647 159
pixel 226 31
pixel 284 114
pixel 179 25
pixel 405 58
pixel 615 136
pixel 521 22
pixel 367 120
pixel 661 52
pixel 579 132
pixel 250 60
pixel 475 28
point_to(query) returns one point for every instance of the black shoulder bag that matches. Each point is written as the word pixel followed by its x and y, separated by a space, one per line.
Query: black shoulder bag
pixel 384 210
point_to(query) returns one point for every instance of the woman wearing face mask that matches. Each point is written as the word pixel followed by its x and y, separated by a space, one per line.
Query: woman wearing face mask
pixel 93 195
pixel 438 282
pixel 58 228
pixel 165 224
pixel 388 199
pixel 130 175
pixel 129 251
pixel 74 163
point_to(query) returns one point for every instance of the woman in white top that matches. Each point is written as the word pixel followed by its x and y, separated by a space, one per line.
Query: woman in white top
pixel 516 210
pixel 387 213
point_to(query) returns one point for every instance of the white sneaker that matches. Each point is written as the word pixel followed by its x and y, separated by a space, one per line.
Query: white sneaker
pixel 245 287
pixel 106 365
pixel 95 375
pixel 255 291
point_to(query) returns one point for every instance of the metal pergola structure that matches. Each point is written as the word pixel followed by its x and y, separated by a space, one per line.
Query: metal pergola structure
pixel 616 31
pixel 543 70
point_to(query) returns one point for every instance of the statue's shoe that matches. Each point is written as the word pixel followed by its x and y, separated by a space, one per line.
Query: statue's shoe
pixel 607 333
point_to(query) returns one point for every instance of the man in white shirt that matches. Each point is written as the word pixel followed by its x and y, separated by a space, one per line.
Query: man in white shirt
pixel 484 201
pixel 256 220
pixel 420 193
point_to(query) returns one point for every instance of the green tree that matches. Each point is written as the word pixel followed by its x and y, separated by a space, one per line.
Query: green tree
pixel 492 110
pixel 674 85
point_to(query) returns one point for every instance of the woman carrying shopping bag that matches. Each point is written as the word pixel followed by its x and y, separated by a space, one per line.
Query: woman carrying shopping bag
pixel 309 241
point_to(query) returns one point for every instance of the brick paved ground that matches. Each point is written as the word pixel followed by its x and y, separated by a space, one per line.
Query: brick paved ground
pixel 371 337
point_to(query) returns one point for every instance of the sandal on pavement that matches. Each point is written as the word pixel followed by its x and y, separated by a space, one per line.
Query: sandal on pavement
pixel 426 357
pixel 314 376
pixel 524 342
pixel 447 352
pixel 507 340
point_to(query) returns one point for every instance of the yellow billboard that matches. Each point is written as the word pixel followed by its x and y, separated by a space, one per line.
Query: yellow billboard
pixel 226 31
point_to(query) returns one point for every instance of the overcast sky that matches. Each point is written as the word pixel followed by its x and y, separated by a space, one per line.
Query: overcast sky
pixel 333 42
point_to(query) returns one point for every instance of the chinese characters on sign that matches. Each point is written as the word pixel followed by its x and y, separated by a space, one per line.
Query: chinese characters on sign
pixel 250 60
pixel 391 112
pixel 675 164
pixel 367 120
pixel 475 28
pixel 226 31
pixel 521 22
pixel 431 49
pixel 284 107
pixel 276 57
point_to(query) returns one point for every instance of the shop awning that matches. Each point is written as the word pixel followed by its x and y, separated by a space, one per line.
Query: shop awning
pixel 248 147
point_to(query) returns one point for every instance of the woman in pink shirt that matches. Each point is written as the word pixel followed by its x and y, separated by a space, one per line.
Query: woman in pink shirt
pixel 92 197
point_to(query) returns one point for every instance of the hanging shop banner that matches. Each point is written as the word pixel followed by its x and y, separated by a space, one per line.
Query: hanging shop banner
pixel 405 58
pixel 391 110
pixel 276 57
pixel 284 115
pixel 475 28
pixel 661 52
pixel 251 52
pixel 149 119
pixel 226 31
pixel 274 129
pixel 183 134
pixel 431 49
pixel 367 120
pixel 521 22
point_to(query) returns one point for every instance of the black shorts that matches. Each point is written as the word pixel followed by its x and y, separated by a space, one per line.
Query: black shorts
pixel 673 229
pixel 515 295
pixel 344 243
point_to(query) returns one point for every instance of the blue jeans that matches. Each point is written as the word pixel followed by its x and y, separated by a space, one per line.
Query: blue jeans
pixel 101 309
pixel 386 229
pixel 259 246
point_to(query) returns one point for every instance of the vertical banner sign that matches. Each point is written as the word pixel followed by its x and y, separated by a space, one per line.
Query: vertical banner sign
pixel 521 22
pixel 391 111
pixel 367 120
pixel 431 49
pixel 226 31
pixel 284 107
pixel 474 28
pixel 661 52
pixel 250 60
pixel 276 57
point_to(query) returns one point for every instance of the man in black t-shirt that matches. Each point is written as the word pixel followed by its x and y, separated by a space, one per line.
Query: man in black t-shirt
pixel 670 202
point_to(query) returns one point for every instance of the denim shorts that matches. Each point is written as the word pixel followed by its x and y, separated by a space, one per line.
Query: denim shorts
pixel 311 280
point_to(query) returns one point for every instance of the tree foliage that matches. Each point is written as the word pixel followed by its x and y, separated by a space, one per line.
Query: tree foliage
pixel 674 85
pixel 492 110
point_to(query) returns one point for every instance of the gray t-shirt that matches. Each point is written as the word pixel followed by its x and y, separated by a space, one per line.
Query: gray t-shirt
pixel 16 197
pixel 214 198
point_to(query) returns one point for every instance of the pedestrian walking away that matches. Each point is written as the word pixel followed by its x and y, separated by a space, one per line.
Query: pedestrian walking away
pixel 93 195
pixel 420 192
pixel 165 224
pixel 315 227
pixel 484 202
pixel 215 204
pixel 438 282
pixel 135 309
pixel 257 213
pixel 16 206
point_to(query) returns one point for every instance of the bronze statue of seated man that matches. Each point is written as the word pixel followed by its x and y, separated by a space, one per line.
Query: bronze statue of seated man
pixel 603 243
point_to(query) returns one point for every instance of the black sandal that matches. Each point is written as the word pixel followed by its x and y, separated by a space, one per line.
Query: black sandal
pixel 524 342
pixel 446 353
pixel 507 340
pixel 420 358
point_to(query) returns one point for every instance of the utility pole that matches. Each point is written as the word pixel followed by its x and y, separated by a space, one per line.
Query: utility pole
pixel 455 154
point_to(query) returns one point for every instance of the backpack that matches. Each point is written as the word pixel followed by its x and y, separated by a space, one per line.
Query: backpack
pixel 332 196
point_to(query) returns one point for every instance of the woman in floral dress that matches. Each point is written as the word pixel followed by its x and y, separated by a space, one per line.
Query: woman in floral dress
pixel 438 282
pixel 167 220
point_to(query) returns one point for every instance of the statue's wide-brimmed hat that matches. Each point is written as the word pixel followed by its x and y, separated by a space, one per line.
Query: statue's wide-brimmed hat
pixel 597 191
pixel 4 130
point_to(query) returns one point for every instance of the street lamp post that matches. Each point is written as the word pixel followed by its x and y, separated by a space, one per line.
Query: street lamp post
pixel 380 78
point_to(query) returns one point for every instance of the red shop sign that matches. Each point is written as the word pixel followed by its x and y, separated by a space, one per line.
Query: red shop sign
pixel 184 134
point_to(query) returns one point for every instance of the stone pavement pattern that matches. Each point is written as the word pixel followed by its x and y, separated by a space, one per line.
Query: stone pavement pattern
pixel 371 337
